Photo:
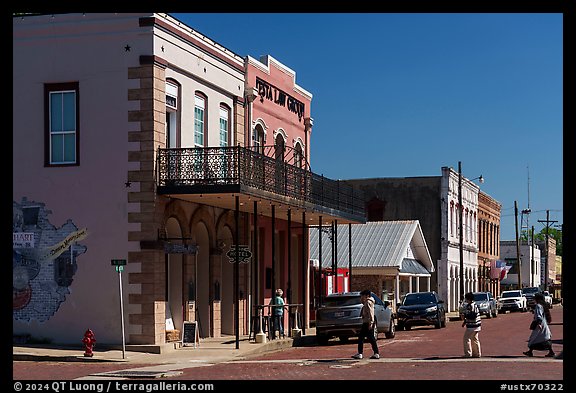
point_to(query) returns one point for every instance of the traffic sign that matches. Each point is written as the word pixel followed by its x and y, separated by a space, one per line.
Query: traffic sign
pixel 118 262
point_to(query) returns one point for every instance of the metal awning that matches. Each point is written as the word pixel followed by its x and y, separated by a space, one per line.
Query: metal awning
pixel 413 266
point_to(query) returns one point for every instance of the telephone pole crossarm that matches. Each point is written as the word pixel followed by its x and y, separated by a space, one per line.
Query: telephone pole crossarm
pixel 546 272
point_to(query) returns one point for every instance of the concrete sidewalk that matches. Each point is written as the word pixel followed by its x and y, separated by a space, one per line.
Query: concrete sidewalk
pixel 208 350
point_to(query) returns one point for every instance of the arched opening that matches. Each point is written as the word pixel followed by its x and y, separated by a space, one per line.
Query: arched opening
pixel 202 279
pixel 174 279
pixel 227 284
pixel 279 147
pixel 258 139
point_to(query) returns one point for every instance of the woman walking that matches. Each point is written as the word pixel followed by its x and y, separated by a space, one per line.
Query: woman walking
pixel 540 337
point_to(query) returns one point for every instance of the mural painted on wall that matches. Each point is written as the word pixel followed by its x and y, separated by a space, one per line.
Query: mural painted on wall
pixel 43 261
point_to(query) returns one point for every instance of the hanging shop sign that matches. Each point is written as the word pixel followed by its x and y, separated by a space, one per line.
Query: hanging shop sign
pixel 244 254
pixel 175 248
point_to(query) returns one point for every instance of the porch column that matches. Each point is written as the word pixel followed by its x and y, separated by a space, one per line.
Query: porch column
pixel 397 287
pixel 305 263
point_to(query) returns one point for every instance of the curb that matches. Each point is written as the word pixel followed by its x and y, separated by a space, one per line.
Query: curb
pixel 64 358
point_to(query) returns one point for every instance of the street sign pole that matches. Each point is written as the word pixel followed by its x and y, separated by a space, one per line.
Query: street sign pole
pixel 122 313
pixel 119 265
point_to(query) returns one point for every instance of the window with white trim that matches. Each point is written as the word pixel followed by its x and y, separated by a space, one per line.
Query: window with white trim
pixel 199 120
pixel 258 139
pixel 298 156
pixel 171 115
pixel 224 126
pixel 62 124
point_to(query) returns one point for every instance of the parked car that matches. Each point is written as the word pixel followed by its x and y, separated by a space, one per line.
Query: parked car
pixel 421 308
pixel 339 316
pixel 486 304
pixel 513 300
pixel 529 292
pixel 548 298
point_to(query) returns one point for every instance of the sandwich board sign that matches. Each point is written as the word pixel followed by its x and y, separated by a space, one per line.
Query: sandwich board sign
pixel 190 333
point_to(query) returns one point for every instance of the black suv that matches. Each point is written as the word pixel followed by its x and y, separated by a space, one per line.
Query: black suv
pixel 530 292
pixel 421 308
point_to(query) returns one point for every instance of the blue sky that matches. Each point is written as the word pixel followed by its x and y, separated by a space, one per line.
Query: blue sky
pixel 402 95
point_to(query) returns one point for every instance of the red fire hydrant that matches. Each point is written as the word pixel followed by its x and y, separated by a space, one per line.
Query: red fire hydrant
pixel 89 341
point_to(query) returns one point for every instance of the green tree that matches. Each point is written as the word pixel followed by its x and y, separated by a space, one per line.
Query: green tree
pixel 553 233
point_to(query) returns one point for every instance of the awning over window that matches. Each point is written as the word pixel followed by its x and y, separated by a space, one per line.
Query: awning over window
pixel 412 266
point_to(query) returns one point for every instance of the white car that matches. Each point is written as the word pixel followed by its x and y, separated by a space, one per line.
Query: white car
pixel 548 298
pixel 513 300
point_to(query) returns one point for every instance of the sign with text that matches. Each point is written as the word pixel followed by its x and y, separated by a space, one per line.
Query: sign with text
pixel 190 333
pixel 175 248
pixel 244 254
pixel 22 239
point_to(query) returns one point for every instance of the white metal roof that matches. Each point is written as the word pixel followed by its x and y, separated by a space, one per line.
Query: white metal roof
pixel 375 244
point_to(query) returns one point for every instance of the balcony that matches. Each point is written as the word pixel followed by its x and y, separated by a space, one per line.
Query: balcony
pixel 210 175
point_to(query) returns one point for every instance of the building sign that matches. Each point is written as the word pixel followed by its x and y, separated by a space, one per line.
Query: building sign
pixel 56 250
pixel 174 248
pixel 22 239
pixel 279 97
pixel 244 254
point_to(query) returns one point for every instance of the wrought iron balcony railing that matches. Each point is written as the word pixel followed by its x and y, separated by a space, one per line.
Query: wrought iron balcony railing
pixel 242 166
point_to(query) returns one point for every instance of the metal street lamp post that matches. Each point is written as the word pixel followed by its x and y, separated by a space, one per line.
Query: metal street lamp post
pixel 461 226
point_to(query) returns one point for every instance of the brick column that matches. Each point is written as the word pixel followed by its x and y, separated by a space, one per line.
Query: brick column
pixel 150 134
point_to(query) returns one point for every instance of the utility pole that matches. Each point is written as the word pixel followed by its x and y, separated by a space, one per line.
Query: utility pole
pixel 548 222
pixel 518 246
pixel 461 231
pixel 532 267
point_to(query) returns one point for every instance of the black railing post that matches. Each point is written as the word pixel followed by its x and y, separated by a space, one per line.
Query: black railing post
pixel 322 189
pixel 157 170
pixel 338 194
pixel 238 162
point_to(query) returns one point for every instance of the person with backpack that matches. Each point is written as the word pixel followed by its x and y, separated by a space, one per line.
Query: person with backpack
pixel 540 337
pixel 473 325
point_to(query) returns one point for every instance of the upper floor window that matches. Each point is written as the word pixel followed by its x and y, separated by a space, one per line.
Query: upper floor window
pixel 199 120
pixel 258 139
pixel 298 156
pixel 280 148
pixel 224 126
pixel 172 131
pixel 62 124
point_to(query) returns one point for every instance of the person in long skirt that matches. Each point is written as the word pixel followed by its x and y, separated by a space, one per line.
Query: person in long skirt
pixel 540 337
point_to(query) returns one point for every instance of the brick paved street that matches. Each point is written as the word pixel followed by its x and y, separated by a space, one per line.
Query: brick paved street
pixel 422 353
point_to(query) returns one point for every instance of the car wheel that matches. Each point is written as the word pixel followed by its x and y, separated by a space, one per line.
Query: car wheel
pixel 322 339
pixel 391 333
pixel 443 322
pixel 489 315
pixel 344 339
pixel 407 327
pixel 400 326
pixel 438 323
pixel 375 330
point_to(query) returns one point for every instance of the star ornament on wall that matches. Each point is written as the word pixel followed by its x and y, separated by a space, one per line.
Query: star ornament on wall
pixel 128 184
pixel 127 48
